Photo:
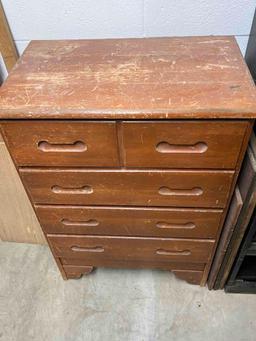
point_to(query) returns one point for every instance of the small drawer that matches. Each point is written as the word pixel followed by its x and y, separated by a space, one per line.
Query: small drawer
pixel 180 223
pixel 90 248
pixel 128 188
pixel 183 144
pixel 51 143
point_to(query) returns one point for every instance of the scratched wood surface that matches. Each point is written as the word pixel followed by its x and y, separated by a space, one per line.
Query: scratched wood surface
pixel 130 78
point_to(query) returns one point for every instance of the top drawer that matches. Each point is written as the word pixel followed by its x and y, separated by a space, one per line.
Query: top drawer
pixel 183 144
pixel 53 143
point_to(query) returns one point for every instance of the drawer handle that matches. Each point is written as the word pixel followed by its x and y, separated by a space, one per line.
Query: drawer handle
pixel 163 252
pixel 197 148
pixel 81 190
pixel 91 222
pixel 165 225
pixel 77 146
pixel 96 249
pixel 187 192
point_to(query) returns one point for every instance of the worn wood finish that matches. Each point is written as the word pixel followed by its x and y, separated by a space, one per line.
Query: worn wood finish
pixel 62 143
pixel 18 222
pixel 110 187
pixel 90 248
pixel 155 144
pixel 126 221
pixel 7 47
pixel 182 144
pixel 157 81
pixel 186 77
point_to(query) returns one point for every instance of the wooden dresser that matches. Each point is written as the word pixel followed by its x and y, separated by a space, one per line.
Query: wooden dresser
pixel 129 149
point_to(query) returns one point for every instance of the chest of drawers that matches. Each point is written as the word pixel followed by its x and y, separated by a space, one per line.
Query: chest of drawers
pixel 129 149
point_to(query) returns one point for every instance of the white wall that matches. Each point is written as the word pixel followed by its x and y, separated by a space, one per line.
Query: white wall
pixel 76 19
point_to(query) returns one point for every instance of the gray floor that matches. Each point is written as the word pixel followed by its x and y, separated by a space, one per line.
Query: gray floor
pixel 116 305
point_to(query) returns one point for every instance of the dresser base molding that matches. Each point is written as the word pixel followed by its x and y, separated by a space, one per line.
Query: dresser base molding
pixel 190 276
pixel 76 271
pixel 189 272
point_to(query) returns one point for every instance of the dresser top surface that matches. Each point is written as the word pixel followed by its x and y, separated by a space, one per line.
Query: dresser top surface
pixel 191 77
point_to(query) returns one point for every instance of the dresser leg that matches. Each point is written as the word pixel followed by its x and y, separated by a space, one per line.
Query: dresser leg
pixel 190 276
pixel 76 271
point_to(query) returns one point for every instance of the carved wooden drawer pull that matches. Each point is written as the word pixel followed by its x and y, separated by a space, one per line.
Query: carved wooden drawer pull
pixel 77 146
pixel 90 223
pixel 163 252
pixel 165 225
pixel 63 190
pixel 95 249
pixel 165 147
pixel 189 192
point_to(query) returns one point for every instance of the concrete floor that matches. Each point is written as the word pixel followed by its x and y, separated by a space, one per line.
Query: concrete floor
pixel 112 305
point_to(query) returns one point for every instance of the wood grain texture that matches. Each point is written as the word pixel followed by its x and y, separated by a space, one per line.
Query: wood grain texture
pixel 183 144
pixel 228 228
pixel 7 46
pixel 126 221
pixel 98 248
pixel 18 222
pixel 234 180
pixel 247 188
pixel 133 187
pixel 130 78
pixel 62 143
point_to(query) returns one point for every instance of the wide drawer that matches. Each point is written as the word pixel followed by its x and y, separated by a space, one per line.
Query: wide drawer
pixel 183 144
pixel 48 143
pixel 89 248
pixel 143 188
pixel 183 223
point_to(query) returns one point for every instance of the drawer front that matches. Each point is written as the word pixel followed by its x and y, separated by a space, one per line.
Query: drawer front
pixel 89 248
pixel 62 143
pixel 129 188
pixel 183 144
pixel 181 223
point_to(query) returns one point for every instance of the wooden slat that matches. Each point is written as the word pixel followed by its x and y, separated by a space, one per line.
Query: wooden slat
pixel 247 186
pixel 232 216
pixel 18 222
pixel 7 47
